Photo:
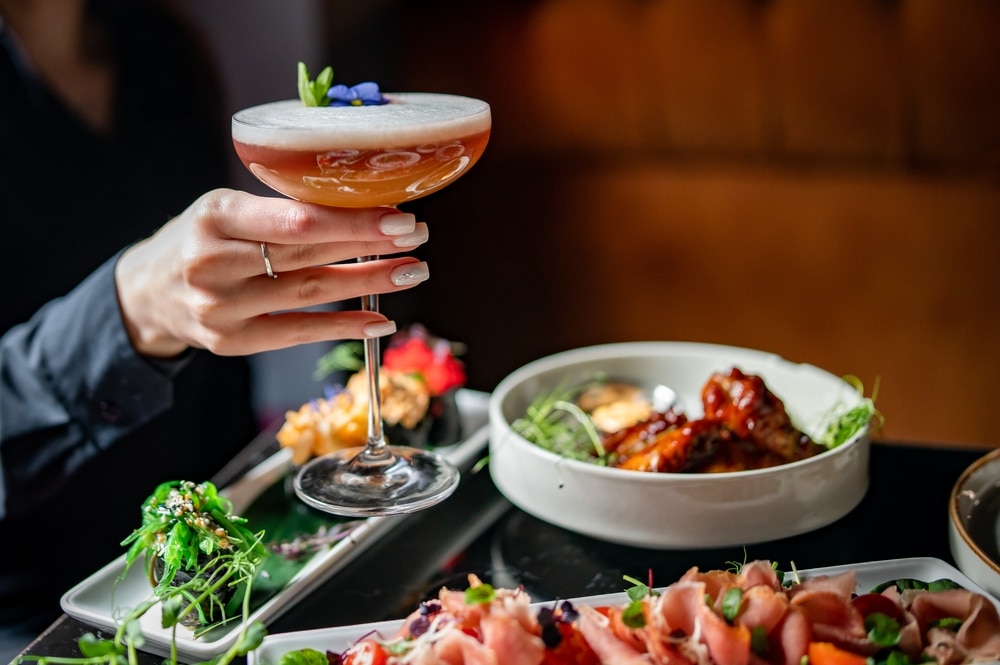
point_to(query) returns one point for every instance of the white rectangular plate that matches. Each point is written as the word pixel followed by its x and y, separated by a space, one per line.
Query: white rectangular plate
pixel 95 600
pixel 868 575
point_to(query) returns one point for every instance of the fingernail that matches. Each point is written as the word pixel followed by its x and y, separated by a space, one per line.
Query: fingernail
pixel 397 223
pixel 411 273
pixel 379 328
pixel 418 237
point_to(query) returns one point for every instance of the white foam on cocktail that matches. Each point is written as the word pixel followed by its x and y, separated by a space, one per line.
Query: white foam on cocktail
pixel 408 119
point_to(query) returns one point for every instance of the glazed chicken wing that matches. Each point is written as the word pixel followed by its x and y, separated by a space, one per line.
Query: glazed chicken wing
pixel 745 426
pixel 753 413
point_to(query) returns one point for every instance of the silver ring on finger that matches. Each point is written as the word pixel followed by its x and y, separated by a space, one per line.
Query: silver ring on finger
pixel 267 261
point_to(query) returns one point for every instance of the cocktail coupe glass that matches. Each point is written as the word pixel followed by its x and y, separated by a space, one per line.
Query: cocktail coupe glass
pixel 361 156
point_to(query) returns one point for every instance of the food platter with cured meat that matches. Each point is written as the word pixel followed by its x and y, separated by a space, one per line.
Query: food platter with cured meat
pixel 920 610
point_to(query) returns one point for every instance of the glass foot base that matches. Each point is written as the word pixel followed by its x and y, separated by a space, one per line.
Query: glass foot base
pixel 404 480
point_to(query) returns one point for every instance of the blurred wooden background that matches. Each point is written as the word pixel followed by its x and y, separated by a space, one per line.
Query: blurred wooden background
pixel 815 178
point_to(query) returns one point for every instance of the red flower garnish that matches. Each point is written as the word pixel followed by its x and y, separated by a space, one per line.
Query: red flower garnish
pixel 415 351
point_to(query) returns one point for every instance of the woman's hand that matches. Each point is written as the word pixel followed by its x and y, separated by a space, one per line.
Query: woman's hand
pixel 201 281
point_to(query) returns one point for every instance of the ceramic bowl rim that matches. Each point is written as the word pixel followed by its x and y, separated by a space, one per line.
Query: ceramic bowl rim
pixel 954 512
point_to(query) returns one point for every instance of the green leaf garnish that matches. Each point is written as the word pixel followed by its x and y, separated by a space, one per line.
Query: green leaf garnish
pixel 93 647
pixel 896 657
pixel 633 615
pixel 346 356
pixel 638 590
pixel 313 93
pixel 554 422
pixel 882 629
pixel 251 638
pixel 304 657
pixel 845 426
pixel 731 602
pixel 948 623
pixel 398 647
pixel 758 642
pixel 480 595
pixel 904 583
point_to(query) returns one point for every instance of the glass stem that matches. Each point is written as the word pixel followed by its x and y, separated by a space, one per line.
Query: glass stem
pixel 376 438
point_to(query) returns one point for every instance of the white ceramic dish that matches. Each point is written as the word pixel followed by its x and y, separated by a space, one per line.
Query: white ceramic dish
pixel 340 638
pixel 974 522
pixel 677 510
pixel 95 599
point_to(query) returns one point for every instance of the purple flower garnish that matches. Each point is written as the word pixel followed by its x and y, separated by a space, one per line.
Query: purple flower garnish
pixel 362 94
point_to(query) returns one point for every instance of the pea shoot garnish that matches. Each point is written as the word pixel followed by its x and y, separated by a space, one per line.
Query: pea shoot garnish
pixel 842 428
pixel 195 549
pixel 634 616
pixel 555 422
pixel 201 561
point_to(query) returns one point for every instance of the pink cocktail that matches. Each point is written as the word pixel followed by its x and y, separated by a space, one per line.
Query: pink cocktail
pixel 363 156
pixel 359 156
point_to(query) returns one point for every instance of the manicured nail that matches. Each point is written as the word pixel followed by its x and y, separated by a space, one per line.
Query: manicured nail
pixel 418 237
pixel 411 273
pixel 397 223
pixel 379 328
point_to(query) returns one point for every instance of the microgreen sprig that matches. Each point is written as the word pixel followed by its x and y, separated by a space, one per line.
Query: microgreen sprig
pixel 842 427
pixel 554 422
pixel 313 93
pixel 634 615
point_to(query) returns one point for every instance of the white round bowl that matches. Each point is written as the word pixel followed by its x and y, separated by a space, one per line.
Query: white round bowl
pixel 679 510
pixel 974 522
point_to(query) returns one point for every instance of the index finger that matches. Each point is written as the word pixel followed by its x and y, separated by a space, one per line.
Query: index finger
pixel 284 221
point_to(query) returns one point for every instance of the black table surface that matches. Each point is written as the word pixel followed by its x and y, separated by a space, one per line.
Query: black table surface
pixel 903 514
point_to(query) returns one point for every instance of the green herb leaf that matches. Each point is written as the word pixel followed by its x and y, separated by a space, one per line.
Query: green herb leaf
pixel 897 657
pixel 554 422
pixel 133 633
pixel 758 642
pixel 942 585
pixel 731 602
pixel 170 609
pixel 479 595
pixel 313 93
pixel 346 356
pixel 904 583
pixel 882 629
pixel 844 426
pixel 633 615
pixel 304 657
pixel 92 646
pixel 638 590
pixel 780 574
pixel 948 623
pixel 398 647
pixel 251 638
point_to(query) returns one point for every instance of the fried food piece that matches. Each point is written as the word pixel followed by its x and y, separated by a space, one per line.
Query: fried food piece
pixel 676 449
pixel 744 404
pixel 323 426
pixel 615 406
pixel 745 426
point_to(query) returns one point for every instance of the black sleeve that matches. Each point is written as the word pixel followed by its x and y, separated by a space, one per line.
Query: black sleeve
pixel 71 385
